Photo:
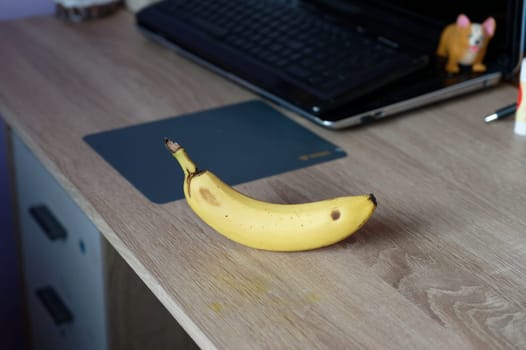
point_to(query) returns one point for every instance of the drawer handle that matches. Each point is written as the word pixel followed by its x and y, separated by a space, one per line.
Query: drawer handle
pixel 48 222
pixel 54 305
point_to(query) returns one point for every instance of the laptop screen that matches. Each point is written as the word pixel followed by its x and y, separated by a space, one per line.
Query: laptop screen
pixel 421 22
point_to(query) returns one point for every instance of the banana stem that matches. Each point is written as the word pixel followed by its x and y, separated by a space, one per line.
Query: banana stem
pixel 182 157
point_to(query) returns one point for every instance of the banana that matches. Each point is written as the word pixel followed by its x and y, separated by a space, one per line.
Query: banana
pixel 269 226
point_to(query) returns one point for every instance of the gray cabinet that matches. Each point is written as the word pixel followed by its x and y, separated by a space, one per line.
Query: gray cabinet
pixel 80 293
pixel 62 259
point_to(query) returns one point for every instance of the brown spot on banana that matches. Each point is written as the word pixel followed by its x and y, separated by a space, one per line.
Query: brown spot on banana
pixel 209 197
pixel 335 214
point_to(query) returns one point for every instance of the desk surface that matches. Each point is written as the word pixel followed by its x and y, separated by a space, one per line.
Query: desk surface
pixel 442 262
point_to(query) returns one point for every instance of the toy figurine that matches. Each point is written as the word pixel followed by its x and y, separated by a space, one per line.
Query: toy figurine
pixel 465 43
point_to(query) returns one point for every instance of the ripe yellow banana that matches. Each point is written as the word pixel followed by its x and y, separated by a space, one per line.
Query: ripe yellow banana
pixel 269 226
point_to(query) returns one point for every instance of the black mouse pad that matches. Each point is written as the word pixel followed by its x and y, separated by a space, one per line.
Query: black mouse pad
pixel 238 143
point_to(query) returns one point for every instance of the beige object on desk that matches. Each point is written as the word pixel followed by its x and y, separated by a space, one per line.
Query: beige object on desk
pixel 81 10
pixel 441 264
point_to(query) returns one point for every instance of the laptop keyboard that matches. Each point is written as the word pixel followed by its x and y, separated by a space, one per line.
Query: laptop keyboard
pixel 295 43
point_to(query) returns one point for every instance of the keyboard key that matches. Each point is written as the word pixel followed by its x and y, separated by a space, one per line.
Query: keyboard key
pixel 299 72
pixel 209 27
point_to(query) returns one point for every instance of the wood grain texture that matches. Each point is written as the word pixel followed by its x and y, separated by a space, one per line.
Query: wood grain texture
pixel 441 264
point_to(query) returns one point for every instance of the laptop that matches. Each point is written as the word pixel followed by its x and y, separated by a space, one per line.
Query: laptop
pixel 339 63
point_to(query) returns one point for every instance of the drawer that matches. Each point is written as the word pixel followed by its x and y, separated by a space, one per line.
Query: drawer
pixel 62 250
pixel 49 330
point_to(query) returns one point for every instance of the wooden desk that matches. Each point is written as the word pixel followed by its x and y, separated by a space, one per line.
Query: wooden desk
pixel 441 264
